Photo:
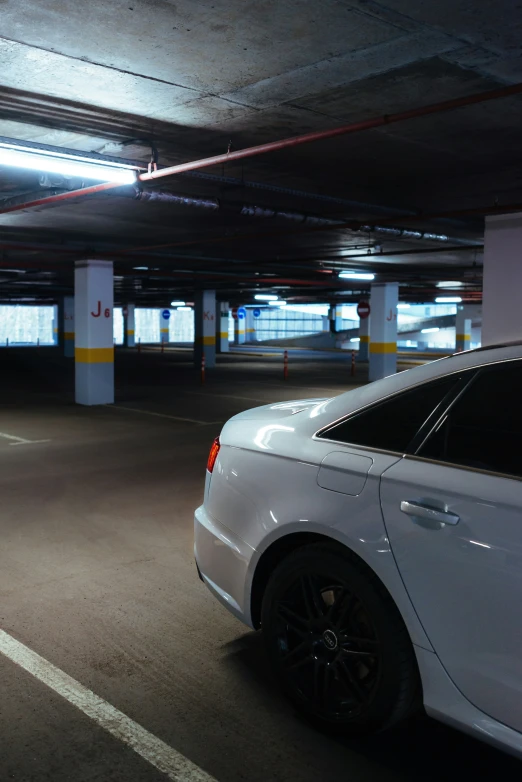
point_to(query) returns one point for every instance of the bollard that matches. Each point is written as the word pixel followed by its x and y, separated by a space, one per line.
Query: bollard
pixel 353 364
pixel 285 365
pixel 202 370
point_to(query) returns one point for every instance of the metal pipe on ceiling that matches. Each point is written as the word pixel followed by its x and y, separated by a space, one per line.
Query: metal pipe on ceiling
pixel 294 141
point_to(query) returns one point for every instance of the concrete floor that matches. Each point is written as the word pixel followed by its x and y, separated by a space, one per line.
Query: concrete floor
pixel 97 576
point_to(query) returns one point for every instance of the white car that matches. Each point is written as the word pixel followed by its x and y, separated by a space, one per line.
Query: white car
pixel 376 538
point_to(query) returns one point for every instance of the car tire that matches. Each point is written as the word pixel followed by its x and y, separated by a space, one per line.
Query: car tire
pixel 337 643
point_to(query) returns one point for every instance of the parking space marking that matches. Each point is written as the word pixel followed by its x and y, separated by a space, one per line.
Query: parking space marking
pixel 166 759
pixel 213 395
pixel 164 415
pixel 20 440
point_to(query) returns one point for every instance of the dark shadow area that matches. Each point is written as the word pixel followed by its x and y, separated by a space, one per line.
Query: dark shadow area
pixel 421 748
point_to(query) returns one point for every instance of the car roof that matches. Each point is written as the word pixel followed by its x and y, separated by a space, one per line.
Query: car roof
pixel 351 401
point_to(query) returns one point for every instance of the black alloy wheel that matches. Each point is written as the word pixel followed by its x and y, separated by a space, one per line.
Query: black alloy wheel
pixel 337 642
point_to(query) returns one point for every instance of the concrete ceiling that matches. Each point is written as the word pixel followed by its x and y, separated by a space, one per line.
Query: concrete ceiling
pixel 191 78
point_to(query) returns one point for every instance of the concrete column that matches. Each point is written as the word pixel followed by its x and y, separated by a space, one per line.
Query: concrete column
pixel 222 329
pixel 326 323
pixel 240 331
pixel 56 325
pixel 250 326
pixel 462 328
pixel 336 318
pixel 68 326
pixel 502 281
pixel 383 335
pixel 94 340
pixel 205 328
pixel 164 327
pixel 129 326
pixel 364 339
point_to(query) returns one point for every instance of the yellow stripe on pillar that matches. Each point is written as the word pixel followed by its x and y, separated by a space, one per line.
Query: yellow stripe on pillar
pixel 68 335
pixel 130 332
pixel 223 334
pixel 383 347
pixel 464 337
pixel 94 355
pixel 205 340
pixel 365 340
pixel 250 331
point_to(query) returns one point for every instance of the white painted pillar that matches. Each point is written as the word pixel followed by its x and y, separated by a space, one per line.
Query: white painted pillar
pixel 250 326
pixel 205 328
pixel 94 340
pixel 383 330
pixel 164 326
pixel 502 280
pixel 462 328
pixel 240 330
pixel 222 334
pixel 364 339
pixel 129 326
pixel 68 326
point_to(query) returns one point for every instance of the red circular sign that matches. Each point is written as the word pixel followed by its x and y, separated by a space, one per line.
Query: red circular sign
pixel 234 312
pixel 363 309
pixel 125 312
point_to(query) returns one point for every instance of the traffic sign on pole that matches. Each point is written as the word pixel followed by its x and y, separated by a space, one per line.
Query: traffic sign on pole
pixel 241 313
pixel 165 314
pixel 256 313
pixel 363 309
pixel 234 312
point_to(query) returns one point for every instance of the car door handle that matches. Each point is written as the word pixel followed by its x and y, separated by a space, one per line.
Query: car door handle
pixel 428 513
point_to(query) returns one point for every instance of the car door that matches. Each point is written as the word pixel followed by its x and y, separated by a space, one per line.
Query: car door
pixel 453 513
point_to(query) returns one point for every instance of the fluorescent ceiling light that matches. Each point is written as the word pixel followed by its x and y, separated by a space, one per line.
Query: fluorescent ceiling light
pixel 355 339
pixel 67 166
pixel 448 300
pixel 184 309
pixel 141 268
pixel 450 284
pixel 430 331
pixel 278 303
pixel 177 303
pixel 356 276
pixel 265 297
pixel 403 306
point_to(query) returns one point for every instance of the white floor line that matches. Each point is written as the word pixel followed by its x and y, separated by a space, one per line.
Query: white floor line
pixel 166 759
pixel 226 396
pixel 163 415
pixel 20 440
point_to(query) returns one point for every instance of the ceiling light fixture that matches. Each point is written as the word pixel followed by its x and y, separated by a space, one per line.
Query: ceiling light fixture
pixel 430 331
pixel 177 303
pixel 67 165
pixel 141 268
pixel 448 300
pixel 356 276
pixel 278 303
pixel 184 309
pixel 265 297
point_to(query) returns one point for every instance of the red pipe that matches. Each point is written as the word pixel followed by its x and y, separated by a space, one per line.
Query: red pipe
pixel 320 135
pixel 273 146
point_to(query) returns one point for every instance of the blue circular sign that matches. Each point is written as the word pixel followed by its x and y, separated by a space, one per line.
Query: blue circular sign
pixel 165 314
pixel 257 313
pixel 241 313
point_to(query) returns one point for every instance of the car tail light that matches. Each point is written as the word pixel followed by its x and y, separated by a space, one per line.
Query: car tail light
pixel 213 455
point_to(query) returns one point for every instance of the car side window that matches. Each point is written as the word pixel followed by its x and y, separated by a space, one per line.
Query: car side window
pixel 483 429
pixel 391 425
